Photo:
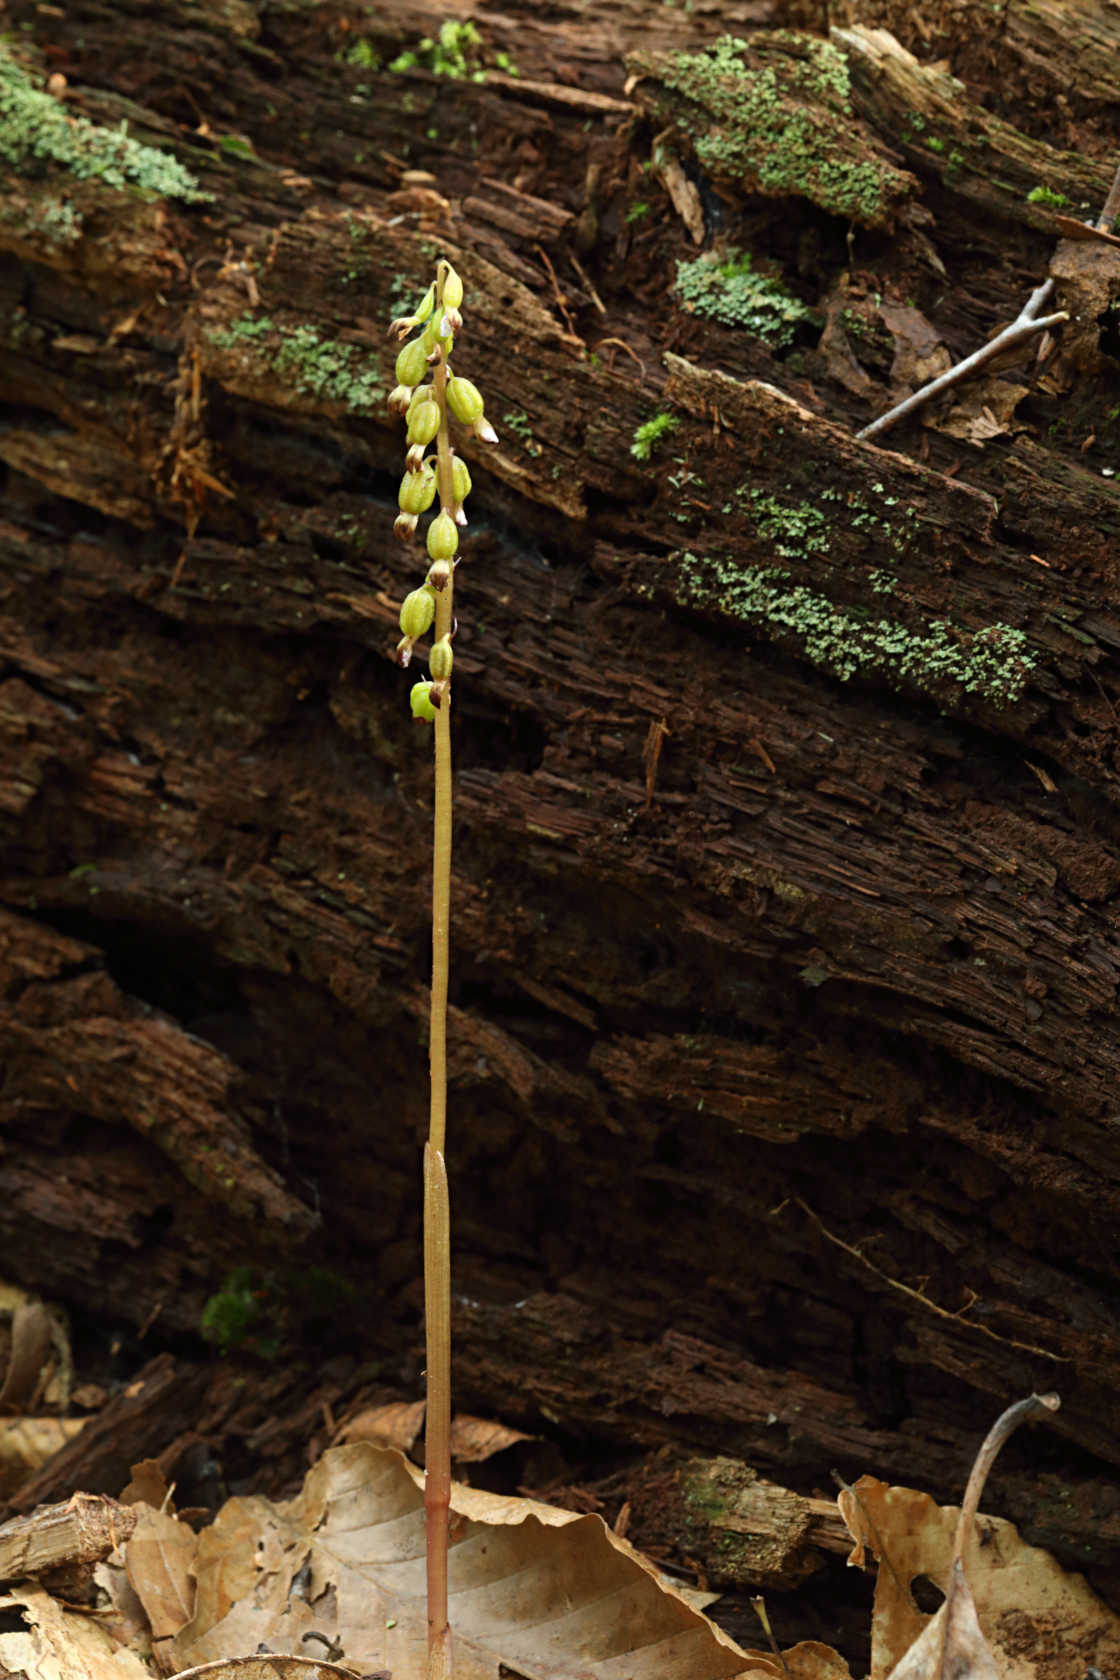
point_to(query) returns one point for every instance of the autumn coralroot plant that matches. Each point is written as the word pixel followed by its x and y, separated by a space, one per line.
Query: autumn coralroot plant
pixel 428 394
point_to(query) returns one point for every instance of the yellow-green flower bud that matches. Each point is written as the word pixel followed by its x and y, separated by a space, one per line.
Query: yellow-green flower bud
pixel 431 332
pixel 427 306
pixel 440 659
pixel 421 702
pixel 423 423
pixel 412 362
pixel 422 394
pixel 460 479
pixel 417 491
pixel 465 400
pixel 443 537
pixel 452 288
pixel 417 612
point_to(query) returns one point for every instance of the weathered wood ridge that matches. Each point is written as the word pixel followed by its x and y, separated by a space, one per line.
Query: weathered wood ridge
pixel 785 1040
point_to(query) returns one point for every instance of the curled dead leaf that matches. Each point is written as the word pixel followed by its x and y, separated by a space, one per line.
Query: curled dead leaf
pixel 1038 1620
pixel 399 1423
pixel 159 1556
pixel 550 1594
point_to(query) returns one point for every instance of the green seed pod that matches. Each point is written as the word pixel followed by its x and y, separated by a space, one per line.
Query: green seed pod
pixel 417 491
pixel 452 288
pixel 441 659
pixel 417 612
pixel 464 400
pixel 431 331
pixel 460 479
pixel 423 423
pixel 443 537
pixel 422 393
pixel 420 701
pixel 412 362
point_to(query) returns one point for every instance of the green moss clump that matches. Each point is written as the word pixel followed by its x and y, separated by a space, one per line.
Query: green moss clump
pixel 993 663
pixel 1052 200
pixel 338 373
pixel 651 433
pixel 775 115
pixel 728 290
pixel 363 54
pixel 36 129
pixel 456 52
pixel 236 1317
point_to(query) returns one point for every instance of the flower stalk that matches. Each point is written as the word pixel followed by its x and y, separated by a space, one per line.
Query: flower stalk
pixel 427 395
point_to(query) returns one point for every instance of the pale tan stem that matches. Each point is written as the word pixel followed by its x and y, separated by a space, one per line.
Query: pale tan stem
pixel 437 1438
pixel 437 1213
pixel 1036 1405
pixel 441 903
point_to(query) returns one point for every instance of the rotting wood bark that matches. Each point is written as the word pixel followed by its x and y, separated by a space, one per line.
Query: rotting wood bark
pixel 80 1532
pixel 849 948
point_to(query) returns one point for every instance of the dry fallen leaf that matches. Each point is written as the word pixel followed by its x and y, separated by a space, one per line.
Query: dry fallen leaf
pixel 148 1486
pixel 951 1645
pixel 475 1439
pixel 546 1592
pixel 27 1443
pixel 398 1424
pixel 267 1666
pixel 809 1660
pixel 56 1644
pixel 159 1557
pixel 919 353
pixel 1042 1623
pixel 986 410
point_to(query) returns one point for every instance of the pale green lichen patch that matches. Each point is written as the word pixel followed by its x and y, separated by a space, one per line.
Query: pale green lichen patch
pixel 868 519
pixel 36 131
pixel 727 289
pixel 316 366
pixel 774 114
pixel 992 663
pixel 41 218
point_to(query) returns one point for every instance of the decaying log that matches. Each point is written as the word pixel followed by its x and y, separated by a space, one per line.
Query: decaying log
pixel 739 1529
pixel 82 1531
pixel 157 1405
pixel 785 1031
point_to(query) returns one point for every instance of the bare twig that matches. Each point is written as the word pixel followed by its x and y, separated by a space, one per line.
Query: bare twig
pixel 1026 324
pixel 1035 1406
pixel 758 1605
pixel 585 277
pixel 924 1300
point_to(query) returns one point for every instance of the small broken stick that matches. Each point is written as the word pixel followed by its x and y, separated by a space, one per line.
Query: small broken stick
pixel 1025 325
